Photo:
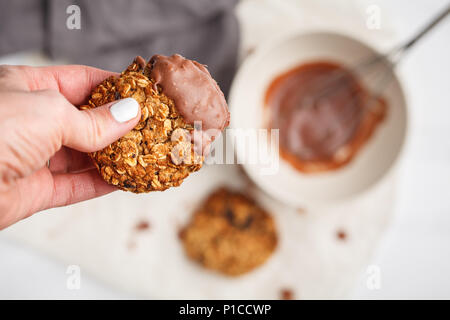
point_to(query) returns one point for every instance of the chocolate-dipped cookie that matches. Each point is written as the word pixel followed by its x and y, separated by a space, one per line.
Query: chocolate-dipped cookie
pixel 182 111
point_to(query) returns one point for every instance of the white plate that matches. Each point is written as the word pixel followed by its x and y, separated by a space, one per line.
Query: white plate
pixel 369 166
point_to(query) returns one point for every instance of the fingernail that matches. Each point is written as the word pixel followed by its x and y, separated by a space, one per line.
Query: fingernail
pixel 124 110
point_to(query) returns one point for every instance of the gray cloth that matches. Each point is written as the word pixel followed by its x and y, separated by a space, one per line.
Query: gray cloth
pixel 113 32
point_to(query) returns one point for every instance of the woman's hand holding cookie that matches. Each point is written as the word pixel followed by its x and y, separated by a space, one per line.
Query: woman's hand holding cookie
pixel 39 122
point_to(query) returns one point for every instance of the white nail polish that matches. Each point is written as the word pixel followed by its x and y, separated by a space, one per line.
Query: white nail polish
pixel 124 110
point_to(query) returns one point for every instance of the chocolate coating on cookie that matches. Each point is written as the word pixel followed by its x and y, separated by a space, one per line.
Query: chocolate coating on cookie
pixel 195 93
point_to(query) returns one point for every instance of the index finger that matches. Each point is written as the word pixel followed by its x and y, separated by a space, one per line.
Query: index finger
pixel 75 82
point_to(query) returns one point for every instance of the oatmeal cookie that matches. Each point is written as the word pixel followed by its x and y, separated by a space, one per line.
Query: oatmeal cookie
pixel 159 152
pixel 229 233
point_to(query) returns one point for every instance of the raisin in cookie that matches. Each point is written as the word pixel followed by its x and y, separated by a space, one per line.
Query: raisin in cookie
pixel 160 151
pixel 229 233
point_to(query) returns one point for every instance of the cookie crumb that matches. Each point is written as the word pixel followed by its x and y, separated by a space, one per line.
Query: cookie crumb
pixel 287 294
pixel 142 226
pixel 341 235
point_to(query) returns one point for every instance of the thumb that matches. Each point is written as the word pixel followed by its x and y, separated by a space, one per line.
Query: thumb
pixel 93 129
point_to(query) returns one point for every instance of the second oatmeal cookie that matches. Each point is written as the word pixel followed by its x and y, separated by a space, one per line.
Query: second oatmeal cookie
pixel 230 233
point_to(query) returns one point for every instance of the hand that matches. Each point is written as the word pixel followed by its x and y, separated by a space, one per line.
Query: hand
pixel 38 122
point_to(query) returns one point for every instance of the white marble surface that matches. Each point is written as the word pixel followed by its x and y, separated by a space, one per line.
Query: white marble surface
pixel 413 255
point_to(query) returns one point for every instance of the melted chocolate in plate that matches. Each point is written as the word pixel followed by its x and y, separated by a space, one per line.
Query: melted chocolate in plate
pixel 323 123
pixel 285 182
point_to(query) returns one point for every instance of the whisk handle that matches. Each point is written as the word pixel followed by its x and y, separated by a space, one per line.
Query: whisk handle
pixel 403 48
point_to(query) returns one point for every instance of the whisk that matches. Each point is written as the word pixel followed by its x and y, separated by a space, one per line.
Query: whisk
pixel 371 65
